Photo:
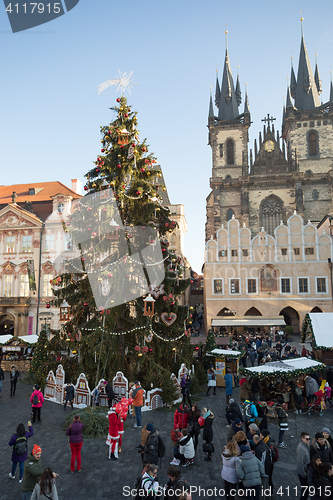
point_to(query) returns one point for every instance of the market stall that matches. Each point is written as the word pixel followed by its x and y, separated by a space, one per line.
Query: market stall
pixel 317 329
pixel 225 358
pixel 16 351
pixel 275 377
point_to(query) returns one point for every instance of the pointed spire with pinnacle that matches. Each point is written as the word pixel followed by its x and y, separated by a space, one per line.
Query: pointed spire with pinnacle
pixel 293 83
pixel 217 90
pixel 238 89
pixel 289 103
pixel 246 102
pixel 228 109
pixel 307 96
pixel 331 88
pixel 211 109
pixel 317 78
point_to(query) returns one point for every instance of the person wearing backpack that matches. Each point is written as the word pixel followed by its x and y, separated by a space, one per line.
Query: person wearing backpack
pixel 176 485
pixel 20 449
pixel 154 446
pixel 149 486
pixel 37 400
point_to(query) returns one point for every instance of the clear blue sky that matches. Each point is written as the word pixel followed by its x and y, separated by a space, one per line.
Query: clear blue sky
pixel 51 113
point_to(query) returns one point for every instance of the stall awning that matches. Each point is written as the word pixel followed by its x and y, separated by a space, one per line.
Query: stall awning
pixel 226 352
pixel 284 368
pixel 30 339
pixel 248 321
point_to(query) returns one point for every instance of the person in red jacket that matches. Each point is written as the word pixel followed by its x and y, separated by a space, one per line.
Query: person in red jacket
pixel 122 415
pixel 180 418
pixel 113 436
pixel 37 400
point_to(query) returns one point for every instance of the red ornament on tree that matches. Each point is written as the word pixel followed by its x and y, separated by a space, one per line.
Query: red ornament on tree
pixel 85 188
pixel 85 304
pixel 119 166
pixel 137 348
pixel 118 100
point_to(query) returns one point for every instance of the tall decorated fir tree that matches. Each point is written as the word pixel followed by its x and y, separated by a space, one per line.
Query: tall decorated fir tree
pixel 120 232
pixel 40 362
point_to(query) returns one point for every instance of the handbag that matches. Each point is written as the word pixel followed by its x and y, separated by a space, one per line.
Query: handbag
pixel 208 448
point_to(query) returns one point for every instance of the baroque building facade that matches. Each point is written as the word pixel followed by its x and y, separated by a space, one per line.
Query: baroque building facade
pixel 261 189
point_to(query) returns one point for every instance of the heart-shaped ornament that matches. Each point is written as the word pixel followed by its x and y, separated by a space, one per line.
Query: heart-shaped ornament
pixel 168 319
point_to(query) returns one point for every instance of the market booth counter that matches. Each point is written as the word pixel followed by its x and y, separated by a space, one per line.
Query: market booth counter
pixel 16 351
pixel 275 377
pixel 225 358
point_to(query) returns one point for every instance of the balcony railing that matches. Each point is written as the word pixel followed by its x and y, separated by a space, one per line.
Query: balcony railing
pixel 14 301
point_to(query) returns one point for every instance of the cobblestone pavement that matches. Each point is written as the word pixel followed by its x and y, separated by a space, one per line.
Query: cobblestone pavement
pixel 101 478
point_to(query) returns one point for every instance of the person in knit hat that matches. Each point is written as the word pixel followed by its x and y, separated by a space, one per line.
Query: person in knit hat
pixel 33 470
pixel 327 435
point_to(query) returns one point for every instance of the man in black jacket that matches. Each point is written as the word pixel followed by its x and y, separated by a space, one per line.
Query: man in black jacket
pixel 263 453
pixel 69 395
pixel 154 446
pixel 321 447
pixel 233 411
pixel 110 394
pixel 14 375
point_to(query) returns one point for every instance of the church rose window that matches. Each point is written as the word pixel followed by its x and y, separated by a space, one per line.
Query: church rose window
pixel 271 214
pixel 230 152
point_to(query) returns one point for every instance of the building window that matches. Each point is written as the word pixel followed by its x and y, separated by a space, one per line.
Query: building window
pixel 230 152
pixel 61 208
pixel 309 251
pixel 285 285
pixel 10 244
pixel 234 286
pixel 245 252
pixel 218 287
pixel 26 243
pixel 221 150
pixel 315 194
pixel 312 144
pixel 234 253
pixel 271 213
pixel 230 213
pixel 296 251
pixel 49 243
pixel 284 251
pixel 251 286
pixel 321 285
pixel 24 285
pixel 8 286
pixel 303 285
pixel 223 253
pixel 47 288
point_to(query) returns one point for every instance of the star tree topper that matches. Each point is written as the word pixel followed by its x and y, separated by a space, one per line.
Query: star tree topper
pixel 123 81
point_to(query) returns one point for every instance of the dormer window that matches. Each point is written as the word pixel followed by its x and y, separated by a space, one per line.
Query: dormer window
pixel 32 191
pixel 61 208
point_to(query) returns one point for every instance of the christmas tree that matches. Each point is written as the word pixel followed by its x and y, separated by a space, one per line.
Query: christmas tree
pixel 120 232
pixel 40 361
pixel 210 342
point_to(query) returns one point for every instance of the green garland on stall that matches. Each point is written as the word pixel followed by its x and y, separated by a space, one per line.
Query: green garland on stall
pixel 19 340
pixel 281 374
pixel 308 323
pixel 235 356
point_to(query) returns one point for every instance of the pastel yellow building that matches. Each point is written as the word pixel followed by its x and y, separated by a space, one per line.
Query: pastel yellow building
pixel 278 278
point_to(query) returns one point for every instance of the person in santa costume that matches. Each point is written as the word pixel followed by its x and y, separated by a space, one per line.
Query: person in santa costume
pixel 122 415
pixel 113 436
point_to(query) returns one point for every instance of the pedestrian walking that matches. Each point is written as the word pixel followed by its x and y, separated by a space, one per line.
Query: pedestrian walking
pixel 228 379
pixel 187 382
pixel 14 375
pixel 181 418
pixel 321 447
pixel 283 421
pixel 33 471
pixel 326 478
pixel 154 447
pixel 137 395
pixel 176 485
pixel 302 461
pixel 208 432
pixel 193 424
pixel 74 431
pixel 211 380
pixel 245 390
pixel 233 411
pixel 311 387
pixel 2 377
pixel 234 428
pixel 46 486
pixel 20 449
pixel 69 395
pixel 230 460
pixel 113 436
pixel 37 400
pixel 250 470
pixel 313 472
pixel 326 433
pixel 109 392
pixel 263 453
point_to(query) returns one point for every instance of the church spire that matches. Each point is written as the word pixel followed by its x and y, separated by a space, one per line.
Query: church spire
pixel 307 96
pixel 317 78
pixel 217 90
pixel 331 88
pixel 238 90
pixel 289 103
pixel 293 83
pixel 228 109
pixel 246 102
pixel 211 109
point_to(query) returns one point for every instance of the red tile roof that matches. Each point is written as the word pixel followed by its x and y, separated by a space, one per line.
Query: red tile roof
pixel 44 192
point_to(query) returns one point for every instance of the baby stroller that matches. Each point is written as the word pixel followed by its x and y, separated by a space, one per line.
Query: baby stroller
pixel 318 404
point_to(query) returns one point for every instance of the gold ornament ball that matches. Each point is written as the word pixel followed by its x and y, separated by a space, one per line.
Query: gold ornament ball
pixel 189 322
pixel 140 354
pixel 191 308
pixel 181 275
pixel 164 189
pixel 157 209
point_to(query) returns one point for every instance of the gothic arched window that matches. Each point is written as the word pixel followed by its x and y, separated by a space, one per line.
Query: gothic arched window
pixel 312 144
pixel 230 152
pixel 315 194
pixel 230 213
pixel 271 213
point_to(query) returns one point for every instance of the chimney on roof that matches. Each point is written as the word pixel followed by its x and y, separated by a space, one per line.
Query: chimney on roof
pixel 76 186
